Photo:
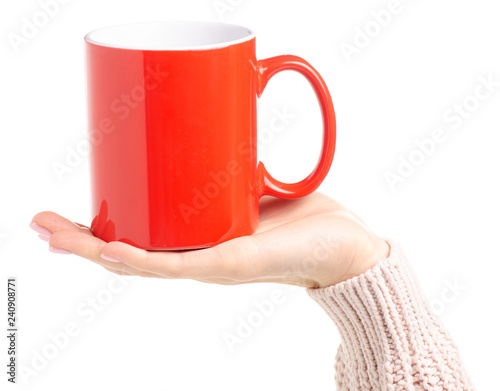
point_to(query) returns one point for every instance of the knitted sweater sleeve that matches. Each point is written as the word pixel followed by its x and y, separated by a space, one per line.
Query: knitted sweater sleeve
pixel 389 338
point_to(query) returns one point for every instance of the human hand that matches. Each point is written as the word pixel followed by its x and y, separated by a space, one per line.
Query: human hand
pixel 311 242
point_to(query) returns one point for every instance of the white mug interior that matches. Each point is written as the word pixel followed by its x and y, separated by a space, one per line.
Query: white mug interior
pixel 172 35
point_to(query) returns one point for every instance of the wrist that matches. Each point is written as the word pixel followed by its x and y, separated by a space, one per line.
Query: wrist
pixel 367 257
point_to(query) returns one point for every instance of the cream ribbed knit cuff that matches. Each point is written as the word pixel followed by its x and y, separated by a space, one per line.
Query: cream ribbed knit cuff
pixel 389 338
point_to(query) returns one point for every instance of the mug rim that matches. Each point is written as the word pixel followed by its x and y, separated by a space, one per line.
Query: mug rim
pixel 110 36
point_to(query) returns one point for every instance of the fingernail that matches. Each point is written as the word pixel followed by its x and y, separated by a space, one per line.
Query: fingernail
pixel 41 230
pixel 43 237
pixel 59 250
pixel 110 259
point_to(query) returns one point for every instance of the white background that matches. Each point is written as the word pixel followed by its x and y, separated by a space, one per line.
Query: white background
pixel 168 335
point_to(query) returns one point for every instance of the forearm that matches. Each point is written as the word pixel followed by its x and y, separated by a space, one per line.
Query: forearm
pixel 389 338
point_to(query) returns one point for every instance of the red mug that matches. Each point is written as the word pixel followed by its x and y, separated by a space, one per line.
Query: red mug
pixel 173 135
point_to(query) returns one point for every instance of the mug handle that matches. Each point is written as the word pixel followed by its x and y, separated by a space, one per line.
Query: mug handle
pixel 265 70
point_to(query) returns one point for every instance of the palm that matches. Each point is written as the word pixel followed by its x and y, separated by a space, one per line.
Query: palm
pixel 311 242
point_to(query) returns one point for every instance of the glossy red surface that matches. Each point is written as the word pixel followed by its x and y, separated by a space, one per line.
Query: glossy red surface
pixel 173 143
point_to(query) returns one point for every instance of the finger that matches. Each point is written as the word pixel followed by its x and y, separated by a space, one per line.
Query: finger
pixel 245 259
pixel 51 222
pixel 137 273
pixel 132 273
pixel 90 247
pixel 231 260
pixel 78 243
pixel 81 225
